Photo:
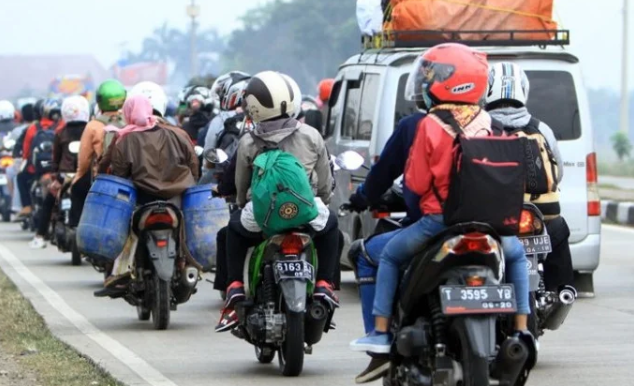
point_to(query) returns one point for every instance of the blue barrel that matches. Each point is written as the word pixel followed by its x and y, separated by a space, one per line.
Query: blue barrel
pixel 105 222
pixel 204 217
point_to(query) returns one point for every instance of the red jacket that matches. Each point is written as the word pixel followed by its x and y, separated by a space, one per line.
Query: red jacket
pixel 431 157
pixel 30 133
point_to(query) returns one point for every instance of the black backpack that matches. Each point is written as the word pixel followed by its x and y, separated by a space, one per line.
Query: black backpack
pixel 487 180
pixel 229 137
pixel 39 155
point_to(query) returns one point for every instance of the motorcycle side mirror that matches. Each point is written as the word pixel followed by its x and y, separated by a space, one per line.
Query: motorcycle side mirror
pixel 216 156
pixel 73 147
pixel 199 150
pixel 349 160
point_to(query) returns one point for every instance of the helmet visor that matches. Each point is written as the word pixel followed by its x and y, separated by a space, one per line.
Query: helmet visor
pixel 423 75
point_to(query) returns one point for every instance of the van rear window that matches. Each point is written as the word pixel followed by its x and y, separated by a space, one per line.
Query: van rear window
pixel 553 99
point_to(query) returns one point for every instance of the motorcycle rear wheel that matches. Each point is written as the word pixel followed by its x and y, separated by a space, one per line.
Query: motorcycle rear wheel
pixel 475 372
pixel 264 354
pixel 291 354
pixel 160 303
pixel 75 255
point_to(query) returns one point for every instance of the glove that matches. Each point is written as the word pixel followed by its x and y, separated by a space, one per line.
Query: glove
pixel 358 202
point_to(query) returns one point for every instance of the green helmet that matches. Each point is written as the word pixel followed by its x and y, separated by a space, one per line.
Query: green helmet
pixel 110 96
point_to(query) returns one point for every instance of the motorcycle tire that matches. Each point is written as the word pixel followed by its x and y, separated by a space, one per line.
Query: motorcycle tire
pixel 143 313
pixel 75 255
pixel 265 355
pixel 291 353
pixel 475 372
pixel 160 303
pixel 6 215
pixel 24 225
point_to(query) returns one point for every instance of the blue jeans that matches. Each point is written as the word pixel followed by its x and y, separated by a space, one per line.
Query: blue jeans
pixel 401 249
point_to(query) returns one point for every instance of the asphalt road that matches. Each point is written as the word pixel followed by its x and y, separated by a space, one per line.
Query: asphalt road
pixel 594 347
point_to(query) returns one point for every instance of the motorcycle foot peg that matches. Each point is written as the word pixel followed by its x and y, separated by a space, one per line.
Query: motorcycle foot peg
pixel 510 361
pixel 308 350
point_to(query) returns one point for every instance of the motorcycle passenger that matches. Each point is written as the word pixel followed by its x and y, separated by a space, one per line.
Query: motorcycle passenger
pixel 432 80
pixel 76 114
pixel 506 102
pixel 51 120
pixel 17 136
pixel 200 106
pixel 269 101
pixel 110 97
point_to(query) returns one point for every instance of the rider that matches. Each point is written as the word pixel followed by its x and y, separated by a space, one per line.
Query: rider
pixel 269 102
pixel 436 73
pixel 506 102
pixel 110 97
pixel 200 106
pixel 51 116
pixel 76 114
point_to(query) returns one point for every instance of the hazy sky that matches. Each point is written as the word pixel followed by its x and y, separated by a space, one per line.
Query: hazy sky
pixel 102 27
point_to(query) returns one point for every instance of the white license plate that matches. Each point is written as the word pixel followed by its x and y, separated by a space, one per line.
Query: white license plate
pixel 536 244
pixel 294 269
pixel 66 203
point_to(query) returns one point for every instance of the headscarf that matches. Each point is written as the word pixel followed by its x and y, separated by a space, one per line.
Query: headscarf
pixel 137 111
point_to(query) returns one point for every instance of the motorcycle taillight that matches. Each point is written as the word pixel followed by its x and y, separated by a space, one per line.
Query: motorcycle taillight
pixel 159 218
pixel 472 242
pixel 292 245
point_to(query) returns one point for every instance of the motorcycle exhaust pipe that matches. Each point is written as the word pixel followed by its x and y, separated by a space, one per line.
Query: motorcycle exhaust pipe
pixel 189 277
pixel 558 312
pixel 510 361
pixel 317 315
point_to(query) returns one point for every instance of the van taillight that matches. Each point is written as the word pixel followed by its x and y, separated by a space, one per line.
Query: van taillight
pixel 594 202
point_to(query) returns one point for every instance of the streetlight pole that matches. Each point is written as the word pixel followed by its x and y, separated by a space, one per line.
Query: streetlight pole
pixel 624 81
pixel 193 11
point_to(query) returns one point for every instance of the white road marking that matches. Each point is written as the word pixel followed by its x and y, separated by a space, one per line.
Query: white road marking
pixel 618 228
pixel 135 363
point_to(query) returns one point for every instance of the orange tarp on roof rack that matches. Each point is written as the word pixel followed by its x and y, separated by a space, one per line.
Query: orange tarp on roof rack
pixel 472 15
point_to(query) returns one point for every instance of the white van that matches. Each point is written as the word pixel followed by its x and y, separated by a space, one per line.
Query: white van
pixel 368 101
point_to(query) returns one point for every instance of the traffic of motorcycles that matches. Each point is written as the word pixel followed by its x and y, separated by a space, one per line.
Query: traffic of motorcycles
pixel 84 181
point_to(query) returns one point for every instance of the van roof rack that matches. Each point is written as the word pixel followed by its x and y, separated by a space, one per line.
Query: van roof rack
pixel 477 38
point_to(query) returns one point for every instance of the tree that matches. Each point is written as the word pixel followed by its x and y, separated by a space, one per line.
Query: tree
pixel 305 39
pixel 621 145
pixel 173 46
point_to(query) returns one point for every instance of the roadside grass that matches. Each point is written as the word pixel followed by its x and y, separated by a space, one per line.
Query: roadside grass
pixel 24 334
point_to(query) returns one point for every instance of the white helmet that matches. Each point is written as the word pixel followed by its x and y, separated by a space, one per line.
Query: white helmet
pixel 7 111
pixel 75 109
pixel 297 92
pixel 509 83
pixel 269 95
pixel 154 93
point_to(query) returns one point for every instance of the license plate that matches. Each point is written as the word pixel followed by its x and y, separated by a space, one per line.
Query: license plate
pixel 532 265
pixel 294 269
pixel 490 299
pixel 536 244
pixel 66 204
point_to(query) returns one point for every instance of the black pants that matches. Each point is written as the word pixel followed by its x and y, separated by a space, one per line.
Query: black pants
pixel 25 180
pixel 45 215
pixel 239 240
pixel 558 265
pixel 220 280
pixel 78 193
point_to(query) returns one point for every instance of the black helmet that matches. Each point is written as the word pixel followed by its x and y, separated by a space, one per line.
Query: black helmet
pixel 37 109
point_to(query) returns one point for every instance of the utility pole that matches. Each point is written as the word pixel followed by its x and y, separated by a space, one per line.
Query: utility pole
pixel 193 11
pixel 624 81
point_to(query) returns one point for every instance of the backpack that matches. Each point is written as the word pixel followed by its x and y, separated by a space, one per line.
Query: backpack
pixel 114 120
pixel 229 137
pixel 38 156
pixel 541 164
pixel 281 193
pixel 487 180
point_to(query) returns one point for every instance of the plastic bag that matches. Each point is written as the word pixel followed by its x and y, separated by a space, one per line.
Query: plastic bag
pixel 369 16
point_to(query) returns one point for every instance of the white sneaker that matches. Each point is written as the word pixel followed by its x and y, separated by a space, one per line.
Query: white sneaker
pixel 37 243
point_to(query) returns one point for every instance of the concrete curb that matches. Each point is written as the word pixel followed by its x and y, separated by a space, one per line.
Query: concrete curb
pixel 618 212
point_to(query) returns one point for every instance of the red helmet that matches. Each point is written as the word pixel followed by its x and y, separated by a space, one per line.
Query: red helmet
pixel 449 73
pixel 325 88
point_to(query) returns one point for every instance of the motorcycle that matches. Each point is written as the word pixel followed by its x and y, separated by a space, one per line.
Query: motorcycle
pixel 280 315
pixel 452 319
pixel 549 309
pixel 39 186
pixel 62 235
pixel 6 161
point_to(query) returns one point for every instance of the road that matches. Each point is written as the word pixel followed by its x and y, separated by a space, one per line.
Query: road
pixel 594 347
